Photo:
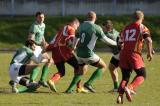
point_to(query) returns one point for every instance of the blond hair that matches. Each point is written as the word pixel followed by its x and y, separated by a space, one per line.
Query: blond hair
pixel 91 15
pixel 138 15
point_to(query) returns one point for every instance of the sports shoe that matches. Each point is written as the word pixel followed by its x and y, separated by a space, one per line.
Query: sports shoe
pixel 43 83
pixel 14 90
pixel 13 85
pixel 89 87
pixel 32 85
pixel 133 92
pixel 128 94
pixel 120 99
pixel 81 90
pixel 52 85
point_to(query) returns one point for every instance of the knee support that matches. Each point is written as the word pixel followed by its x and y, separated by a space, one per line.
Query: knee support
pixel 126 73
pixel 141 72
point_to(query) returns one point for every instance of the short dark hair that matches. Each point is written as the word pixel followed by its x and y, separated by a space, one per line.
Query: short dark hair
pixel 38 13
pixel 107 22
pixel 29 43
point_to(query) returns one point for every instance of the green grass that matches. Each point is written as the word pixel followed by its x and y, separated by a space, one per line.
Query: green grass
pixel 14 30
pixel 147 94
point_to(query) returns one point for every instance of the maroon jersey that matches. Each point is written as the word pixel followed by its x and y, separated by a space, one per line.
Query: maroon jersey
pixel 60 51
pixel 133 36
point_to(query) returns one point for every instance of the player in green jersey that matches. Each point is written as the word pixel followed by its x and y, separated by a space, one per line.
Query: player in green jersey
pixel 19 66
pixel 36 33
pixel 113 34
pixel 87 34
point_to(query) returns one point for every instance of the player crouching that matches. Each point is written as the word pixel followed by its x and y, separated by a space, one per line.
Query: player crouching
pixel 19 67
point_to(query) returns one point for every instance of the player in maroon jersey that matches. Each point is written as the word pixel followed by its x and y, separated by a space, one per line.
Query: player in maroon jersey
pixel 62 53
pixel 132 37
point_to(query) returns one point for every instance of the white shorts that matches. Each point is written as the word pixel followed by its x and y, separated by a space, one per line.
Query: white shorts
pixel 14 71
pixel 91 60
pixel 37 51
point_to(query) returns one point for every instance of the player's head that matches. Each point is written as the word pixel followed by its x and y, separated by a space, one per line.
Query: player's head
pixel 108 25
pixel 138 15
pixel 30 44
pixel 39 17
pixel 91 16
pixel 75 23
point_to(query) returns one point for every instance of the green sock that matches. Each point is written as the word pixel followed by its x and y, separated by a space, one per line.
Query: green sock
pixel 34 74
pixel 45 71
pixel 95 75
pixel 74 82
pixel 116 85
pixel 22 89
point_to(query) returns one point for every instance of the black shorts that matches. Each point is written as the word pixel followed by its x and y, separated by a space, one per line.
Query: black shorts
pixel 114 61
pixel 22 70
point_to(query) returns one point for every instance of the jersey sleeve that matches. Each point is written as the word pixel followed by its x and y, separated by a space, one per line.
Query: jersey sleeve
pixel 30 52
pixel 99 32
pixel 145 31
pixel 32 29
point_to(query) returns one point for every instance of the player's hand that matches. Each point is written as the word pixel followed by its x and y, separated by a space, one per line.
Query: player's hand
pixel 153 52
pixel 149 56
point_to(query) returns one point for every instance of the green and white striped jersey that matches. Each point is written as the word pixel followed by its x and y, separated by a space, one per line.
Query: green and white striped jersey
pixel 22 55
pixel 38 31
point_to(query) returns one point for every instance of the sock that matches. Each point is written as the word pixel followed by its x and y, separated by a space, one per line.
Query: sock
pixel 56 77
pixel 22 89
pixel 45 71
pixel 116 85
pixel 75 80
pixel 79 84
pixel 136 82
pixel 122 86
pixel 96 74
pixel 34 74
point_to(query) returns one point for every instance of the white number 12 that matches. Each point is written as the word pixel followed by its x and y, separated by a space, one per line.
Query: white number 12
pixel 130 35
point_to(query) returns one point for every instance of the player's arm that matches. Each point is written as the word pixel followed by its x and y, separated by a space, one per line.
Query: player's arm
pixel 104 38
pixel 31 36
pixel 75 42
pixel 108 41
pixel 44 44
pixel 148 41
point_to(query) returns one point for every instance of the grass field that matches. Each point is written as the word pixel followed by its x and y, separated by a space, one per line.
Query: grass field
pixel 147 94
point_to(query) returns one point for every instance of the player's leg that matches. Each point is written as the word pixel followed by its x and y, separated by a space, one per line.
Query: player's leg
pixel 138 66
pixel 61 72
pixel 77 78
pixel 34 73
pixel 139 78
pixel 101 67
pixel 16 75
pixel 74 63
pixel 45 69
pixel 113 65
pixel 126 73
